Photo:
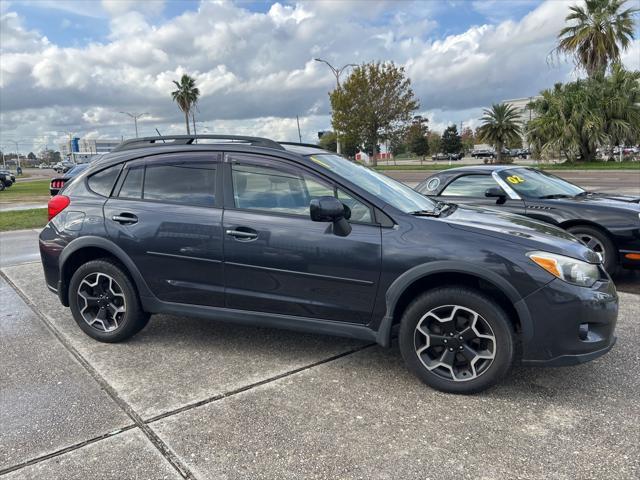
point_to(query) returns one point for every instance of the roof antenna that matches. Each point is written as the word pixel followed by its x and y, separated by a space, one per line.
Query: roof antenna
pixel 159 134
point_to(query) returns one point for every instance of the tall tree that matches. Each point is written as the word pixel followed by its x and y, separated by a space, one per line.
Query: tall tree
pixel 375 102
pixel 500 125
pixel 435 141
pixel 574 119
pixel 468 139
pixel 451 141
pixel 186 96
pixel 328 141
pixel 598 32
pixel 417 137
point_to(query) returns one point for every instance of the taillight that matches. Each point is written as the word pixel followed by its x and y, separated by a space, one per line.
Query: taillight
pixel 57 183
pixel 57 204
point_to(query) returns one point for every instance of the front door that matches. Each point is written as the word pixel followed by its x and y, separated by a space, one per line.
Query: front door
pixel 469 190
pixel 166 215
pixel 277 260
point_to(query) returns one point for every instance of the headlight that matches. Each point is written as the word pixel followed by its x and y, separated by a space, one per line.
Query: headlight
pixel 566 268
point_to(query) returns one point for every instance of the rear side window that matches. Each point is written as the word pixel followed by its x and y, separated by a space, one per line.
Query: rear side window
pixel 132 185
pixel 103 181
pixel 187 183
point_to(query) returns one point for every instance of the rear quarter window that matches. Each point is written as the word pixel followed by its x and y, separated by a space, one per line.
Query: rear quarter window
pixel 103 181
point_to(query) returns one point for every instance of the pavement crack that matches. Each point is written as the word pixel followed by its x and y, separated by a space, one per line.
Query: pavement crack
pixel 251 386
pixel 64 450
pixel 109 390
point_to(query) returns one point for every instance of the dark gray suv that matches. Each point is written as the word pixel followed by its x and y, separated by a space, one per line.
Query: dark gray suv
pixel 247 230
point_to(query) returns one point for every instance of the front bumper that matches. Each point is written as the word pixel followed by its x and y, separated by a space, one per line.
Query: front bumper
pixel 570 324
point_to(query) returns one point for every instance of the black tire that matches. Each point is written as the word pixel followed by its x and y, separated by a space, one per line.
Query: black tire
pixel 130 322
pixel 491 315
pixel 1 185
pixel 585 232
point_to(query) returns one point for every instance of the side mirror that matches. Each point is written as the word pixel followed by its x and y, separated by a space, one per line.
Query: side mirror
pixel 496 192
pixel 330 209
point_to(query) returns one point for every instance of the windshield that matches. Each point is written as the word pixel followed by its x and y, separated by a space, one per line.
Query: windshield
pixel 531 183
pixel 388 190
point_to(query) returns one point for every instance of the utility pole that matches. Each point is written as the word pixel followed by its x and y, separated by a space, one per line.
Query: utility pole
pixel 336 72
pixel 135 117
pixel 298 122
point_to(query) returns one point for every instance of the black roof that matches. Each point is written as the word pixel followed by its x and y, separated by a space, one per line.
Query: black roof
pixel 480 169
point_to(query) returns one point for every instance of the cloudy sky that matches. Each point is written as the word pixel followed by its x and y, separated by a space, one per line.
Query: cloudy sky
pixel 71 66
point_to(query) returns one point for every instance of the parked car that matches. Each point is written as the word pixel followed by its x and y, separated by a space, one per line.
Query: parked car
pixel 6 179
pixel 446 156
pixel 250 231
pixel 57 183
pixel 608 223
pixel 483 153
pixel 64 167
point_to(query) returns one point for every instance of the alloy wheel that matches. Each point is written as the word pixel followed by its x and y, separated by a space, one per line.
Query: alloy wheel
pixel 593 243
pixel 101 302
pixel 455 343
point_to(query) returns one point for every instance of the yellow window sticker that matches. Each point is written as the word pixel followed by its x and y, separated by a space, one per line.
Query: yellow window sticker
pixel 515 179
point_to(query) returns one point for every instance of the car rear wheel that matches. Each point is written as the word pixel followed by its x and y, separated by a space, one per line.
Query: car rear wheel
pixel 599 243
pixel 1 186
pixel 456 340
pixel 105 303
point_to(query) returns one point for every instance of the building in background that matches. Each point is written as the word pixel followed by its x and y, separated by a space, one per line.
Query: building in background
pixel 96 145
pixel 82 150
pixel 525 113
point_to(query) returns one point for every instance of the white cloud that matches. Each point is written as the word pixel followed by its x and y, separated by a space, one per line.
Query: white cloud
pixel 256 70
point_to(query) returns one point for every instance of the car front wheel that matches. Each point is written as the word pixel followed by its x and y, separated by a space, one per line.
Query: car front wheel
pixel 599 243
pixel 104 302
pixel 456 340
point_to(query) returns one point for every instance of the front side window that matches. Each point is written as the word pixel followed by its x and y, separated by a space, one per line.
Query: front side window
pixel 386 189
pixel 469 186
pixel 286 191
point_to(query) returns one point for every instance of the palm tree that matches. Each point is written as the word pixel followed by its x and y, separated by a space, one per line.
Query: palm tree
pixel 500 125
pixel 186 96
pixel 600 32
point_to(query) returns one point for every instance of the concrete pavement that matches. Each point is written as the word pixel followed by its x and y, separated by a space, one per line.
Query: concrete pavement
pixel 19 246
pixel 210 400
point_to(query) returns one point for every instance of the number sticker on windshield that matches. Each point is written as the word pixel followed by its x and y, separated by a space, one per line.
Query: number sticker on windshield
pixel 515 179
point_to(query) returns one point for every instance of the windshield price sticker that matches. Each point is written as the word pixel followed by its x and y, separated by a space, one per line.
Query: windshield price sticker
pixel 515 179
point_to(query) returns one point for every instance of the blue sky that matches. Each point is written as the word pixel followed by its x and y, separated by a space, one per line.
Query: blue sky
pixel 74 65
pixel 76 22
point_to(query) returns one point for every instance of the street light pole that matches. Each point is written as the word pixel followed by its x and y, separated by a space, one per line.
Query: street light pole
pixel 135 117
pixel 336 72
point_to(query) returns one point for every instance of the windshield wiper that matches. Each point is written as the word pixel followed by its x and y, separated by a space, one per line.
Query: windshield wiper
pixel 441 207
pixel 584 194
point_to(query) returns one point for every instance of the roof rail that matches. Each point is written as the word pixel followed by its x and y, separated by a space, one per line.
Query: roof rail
pixel 300 144
pixel 165 140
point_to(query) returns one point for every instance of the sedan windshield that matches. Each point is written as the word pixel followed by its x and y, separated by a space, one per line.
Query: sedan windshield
pixel 531 183
pixel 77 169
pixel 388 190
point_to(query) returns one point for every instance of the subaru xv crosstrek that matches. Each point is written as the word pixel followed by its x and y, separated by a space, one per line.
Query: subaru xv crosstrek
pixel 250 231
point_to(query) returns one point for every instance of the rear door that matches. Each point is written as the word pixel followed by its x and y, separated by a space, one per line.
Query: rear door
pixel 277 260
pixel 166 214
pixel 469 190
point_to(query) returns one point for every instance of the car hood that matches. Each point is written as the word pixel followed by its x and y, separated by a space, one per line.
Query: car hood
pixel 520 229
pixel 609 199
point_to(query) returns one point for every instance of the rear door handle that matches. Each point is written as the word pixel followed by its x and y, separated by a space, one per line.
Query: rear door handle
pixel 125 218
pixel 246 234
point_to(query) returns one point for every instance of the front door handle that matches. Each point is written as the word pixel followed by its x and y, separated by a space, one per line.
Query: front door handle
pixel 125 218
pixel 245 234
